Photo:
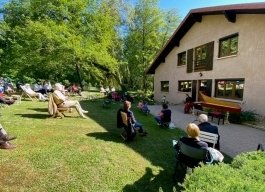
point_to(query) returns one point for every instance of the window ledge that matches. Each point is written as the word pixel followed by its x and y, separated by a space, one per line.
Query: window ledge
pixel 219 58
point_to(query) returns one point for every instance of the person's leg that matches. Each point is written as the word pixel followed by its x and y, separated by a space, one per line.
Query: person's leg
pixel 76 105
pixel 158 119
pixel 140 128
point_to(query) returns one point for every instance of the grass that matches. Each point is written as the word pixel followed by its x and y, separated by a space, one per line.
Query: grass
pixel 74 154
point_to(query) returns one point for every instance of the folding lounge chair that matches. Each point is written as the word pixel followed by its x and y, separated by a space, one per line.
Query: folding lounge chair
pixel 53 108
pixel 26 91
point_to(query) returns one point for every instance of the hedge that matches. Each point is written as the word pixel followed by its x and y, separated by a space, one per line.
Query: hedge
pixel 245 173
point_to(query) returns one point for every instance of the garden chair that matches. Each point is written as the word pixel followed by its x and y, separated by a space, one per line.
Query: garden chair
pixel 209 138
pixel 27 91
pixel 123 122
pixel 187 158
pixel 53 108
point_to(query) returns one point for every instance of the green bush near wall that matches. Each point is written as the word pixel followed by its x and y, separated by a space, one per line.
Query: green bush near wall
pixel 243 116
pixel 245 173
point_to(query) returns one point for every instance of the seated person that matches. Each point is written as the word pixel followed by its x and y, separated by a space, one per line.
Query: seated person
pixel 192 140
pixel 164 116
pixel 62 101
pixel 75 89
pixel 39 88
pixel 140 104
pixel 29 91
pixel 207 127
pixel 4 100
pixel 145 108
pixel 130 115
pixel 5 138
pixel 47 86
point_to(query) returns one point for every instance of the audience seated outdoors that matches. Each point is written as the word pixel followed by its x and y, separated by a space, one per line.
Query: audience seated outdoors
pixel 143 106
pixel 38 88
pixel 6 100
pixel 63 102
pixel 126 120
pixel 207 127
pixel 74 89
pixel 30 93
pixel 164 117
pixel 5 139
pixel 47 86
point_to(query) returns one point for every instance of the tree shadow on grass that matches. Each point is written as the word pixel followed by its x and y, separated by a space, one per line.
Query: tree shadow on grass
pixel 156 147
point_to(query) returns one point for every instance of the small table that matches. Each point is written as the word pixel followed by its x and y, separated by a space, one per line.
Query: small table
pixel 216 114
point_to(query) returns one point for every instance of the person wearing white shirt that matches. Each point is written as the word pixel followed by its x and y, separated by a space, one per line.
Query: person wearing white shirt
pixel 65 103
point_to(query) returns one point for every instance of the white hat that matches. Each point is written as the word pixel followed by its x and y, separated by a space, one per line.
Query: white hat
pixel 203 118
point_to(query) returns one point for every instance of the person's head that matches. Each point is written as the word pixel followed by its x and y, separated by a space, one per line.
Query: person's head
pixel 126 105
pixel 203 118
pixel 193 130
pixel 58 86
pixel 164 106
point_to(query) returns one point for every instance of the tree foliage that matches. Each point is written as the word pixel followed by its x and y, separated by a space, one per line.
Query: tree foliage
pixel 103 41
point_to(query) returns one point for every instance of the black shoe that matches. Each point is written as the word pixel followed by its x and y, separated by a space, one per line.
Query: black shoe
pixel 9 138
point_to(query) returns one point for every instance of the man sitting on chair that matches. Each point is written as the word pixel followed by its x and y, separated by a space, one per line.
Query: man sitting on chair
pixel 164 116
pixel 62 101
pixel 207 127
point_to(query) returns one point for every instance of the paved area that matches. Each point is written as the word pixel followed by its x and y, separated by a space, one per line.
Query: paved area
pixel 234 138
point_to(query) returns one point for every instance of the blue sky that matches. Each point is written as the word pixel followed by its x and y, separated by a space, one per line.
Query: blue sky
pixel 184 6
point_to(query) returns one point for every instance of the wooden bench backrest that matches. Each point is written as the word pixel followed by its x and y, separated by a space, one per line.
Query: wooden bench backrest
pixel 208 137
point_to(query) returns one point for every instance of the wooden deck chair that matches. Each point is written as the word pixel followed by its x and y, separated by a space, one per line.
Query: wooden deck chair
pixel 207 137
pixel 28 92
pixel 53 108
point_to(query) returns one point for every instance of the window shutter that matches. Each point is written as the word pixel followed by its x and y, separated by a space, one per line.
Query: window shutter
pixel 209 59
pixel 190 61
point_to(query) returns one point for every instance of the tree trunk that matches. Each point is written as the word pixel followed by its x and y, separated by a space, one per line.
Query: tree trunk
pixel 78 71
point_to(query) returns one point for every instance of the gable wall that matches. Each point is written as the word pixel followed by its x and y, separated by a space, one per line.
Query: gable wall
pixel 248 64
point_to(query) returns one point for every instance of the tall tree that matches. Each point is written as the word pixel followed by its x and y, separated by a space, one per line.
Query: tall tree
pixel 43 39
pixel 148 29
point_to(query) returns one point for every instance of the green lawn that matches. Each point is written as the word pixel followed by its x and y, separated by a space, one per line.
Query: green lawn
pixel 74 154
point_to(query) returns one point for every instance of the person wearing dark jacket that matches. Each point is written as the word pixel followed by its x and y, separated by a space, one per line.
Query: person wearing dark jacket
pixel 207 127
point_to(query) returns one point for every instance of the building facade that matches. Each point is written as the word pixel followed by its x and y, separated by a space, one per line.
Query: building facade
pixel 218 50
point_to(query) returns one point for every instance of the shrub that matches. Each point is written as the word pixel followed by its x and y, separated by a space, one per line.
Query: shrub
pixel 243 116
pixel 246 173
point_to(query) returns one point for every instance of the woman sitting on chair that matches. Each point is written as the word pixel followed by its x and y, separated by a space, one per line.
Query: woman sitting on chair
pixel 63 102
pixel 192 140
pixel 130 115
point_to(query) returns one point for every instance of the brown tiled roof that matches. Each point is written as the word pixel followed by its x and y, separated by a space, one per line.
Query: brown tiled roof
pixel 195 15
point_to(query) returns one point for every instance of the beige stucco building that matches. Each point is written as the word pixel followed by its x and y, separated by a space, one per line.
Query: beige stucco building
pixel 217 50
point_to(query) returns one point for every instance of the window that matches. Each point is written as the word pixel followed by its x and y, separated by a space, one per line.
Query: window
pixel 203 57
pixel 184 86
pixel 165 86
pixel 230 89
pixel 228 45
pixel 182 58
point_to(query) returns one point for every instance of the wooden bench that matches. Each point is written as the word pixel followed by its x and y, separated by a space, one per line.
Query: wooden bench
pixel 209 137
pixel 218 115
